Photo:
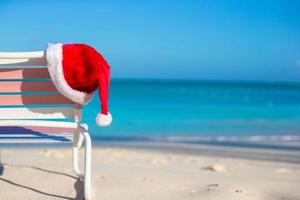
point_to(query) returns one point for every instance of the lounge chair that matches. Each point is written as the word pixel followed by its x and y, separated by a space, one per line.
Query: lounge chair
pixel 33 111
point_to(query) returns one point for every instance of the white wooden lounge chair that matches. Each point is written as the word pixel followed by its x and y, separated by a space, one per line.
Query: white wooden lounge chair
pixel 31 109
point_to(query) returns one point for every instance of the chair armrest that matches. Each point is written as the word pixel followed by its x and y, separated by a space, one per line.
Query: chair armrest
pixel 41 123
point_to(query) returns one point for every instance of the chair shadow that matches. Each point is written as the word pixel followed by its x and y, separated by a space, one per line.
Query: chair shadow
pixel 1 166
pixel 42 78
pixel 1 169
pixel 27 86
pixel 26 131
pixel 78 185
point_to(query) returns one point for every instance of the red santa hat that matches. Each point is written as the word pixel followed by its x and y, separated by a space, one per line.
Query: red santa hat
pixel 77 70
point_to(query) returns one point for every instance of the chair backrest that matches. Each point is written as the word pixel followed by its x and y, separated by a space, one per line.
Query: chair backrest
pixel 26 90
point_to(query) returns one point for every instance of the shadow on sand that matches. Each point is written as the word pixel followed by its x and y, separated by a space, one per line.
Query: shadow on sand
pixel 78 185
pixel 1 166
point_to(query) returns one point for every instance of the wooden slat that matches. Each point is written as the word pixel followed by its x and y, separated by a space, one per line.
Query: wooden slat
pixel 24 73
pixel 36 113
pixel 40 123
pixel 33 134
pixel 23 62
pixel 13 130
pixel 29 54
pixel 33 138
pixel 36 58
pixel 19 86
pixel 11 100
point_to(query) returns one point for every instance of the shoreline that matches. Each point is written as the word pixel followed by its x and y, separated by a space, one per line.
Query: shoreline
pixel 210 150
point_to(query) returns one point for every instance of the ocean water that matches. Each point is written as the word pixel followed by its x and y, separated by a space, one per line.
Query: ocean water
pixel 200 111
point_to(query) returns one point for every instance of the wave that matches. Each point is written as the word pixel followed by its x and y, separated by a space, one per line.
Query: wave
pixel 275 142
pixel 253 138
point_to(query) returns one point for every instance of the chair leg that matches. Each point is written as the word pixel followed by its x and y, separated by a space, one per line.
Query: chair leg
pixel 87 178
pixel 87 167
pixel 75 162
pixel 77 142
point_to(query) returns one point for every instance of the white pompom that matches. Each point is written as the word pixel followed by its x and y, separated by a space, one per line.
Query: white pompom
pixel 103 120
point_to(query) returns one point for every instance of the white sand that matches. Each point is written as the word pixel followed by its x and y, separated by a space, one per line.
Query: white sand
pixel 129 174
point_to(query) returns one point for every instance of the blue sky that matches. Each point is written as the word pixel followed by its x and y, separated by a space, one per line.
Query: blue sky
pixel 204 39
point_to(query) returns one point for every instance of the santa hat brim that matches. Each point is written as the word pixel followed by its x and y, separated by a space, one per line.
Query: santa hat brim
pixel 54 56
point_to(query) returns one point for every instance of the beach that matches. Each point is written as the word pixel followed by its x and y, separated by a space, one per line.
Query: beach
pixel 179 100
pixel 164 171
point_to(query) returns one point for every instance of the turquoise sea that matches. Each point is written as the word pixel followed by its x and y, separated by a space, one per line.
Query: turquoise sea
pixel 219 112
